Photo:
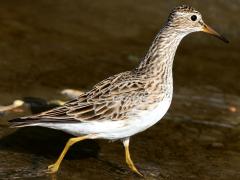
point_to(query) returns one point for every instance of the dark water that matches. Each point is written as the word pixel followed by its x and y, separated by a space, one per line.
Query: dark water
pixel 46 46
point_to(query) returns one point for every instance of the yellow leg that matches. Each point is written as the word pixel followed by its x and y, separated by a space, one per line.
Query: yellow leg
pixel 128 157
pixel 54 167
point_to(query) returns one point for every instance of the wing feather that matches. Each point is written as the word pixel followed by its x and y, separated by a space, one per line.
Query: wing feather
pixel 111 99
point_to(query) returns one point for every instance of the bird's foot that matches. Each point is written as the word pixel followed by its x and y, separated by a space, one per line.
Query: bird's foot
pixel 53 168
pixel 134 169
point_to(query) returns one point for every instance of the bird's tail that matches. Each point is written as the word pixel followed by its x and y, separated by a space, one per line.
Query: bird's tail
pixel 22 122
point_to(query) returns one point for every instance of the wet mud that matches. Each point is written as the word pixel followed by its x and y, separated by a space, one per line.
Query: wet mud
pixel 46 46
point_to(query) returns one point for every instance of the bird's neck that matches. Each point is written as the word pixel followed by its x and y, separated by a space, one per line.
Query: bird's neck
pixel 159 58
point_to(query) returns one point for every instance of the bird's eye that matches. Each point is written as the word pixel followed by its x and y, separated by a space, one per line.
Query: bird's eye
pixel 193 17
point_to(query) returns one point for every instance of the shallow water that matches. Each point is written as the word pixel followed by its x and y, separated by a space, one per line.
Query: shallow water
pixel 48 46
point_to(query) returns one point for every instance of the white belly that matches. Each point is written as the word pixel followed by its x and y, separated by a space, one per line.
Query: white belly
pixel 115 129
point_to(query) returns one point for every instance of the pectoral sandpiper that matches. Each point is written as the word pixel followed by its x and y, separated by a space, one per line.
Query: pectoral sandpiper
pixel 127 103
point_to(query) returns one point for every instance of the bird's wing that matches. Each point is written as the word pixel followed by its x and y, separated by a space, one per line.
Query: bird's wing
pixel 111 99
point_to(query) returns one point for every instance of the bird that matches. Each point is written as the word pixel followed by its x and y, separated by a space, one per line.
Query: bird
pixel 127 103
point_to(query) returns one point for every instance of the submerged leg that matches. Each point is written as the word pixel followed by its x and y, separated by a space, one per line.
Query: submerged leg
pixel 54 167
pixel 128 158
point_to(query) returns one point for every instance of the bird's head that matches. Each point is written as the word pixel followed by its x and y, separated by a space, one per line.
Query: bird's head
pixel 185 19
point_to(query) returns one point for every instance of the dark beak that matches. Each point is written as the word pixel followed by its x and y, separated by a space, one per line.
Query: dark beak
pixel 211 31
